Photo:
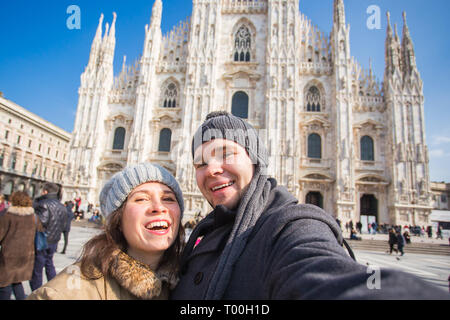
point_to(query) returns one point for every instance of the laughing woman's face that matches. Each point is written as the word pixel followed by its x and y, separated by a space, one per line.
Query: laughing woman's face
pixel 151 219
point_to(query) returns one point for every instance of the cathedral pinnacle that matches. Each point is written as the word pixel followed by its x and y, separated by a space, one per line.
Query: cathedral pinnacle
pixel 389 28
pixel 408 55
pixel 96 43
pixel 112 32
pixel 98 34
pixel 405 23
pixel 156 14
pixel 339 13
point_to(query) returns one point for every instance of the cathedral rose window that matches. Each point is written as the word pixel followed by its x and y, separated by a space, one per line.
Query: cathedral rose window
pixel 170 96
pixel 313 100
pixel 242 45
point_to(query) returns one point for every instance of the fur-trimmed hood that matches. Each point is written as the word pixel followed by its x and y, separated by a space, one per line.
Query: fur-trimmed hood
pixel 138 278
pixel 21 211
pixel 127 279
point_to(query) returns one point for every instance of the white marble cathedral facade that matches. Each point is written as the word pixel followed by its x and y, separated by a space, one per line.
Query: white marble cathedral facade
pixel 336 136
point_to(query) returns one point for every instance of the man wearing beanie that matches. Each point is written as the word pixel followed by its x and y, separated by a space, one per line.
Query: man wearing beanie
pixel 259 243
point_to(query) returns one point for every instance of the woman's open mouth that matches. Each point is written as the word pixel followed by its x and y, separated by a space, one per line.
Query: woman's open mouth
pixel 158 227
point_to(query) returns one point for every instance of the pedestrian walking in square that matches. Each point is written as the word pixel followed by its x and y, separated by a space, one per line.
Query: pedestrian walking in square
pixel 400 242
pixel 53 216
pixel 17 232
pixel 66 230
pixel 392 241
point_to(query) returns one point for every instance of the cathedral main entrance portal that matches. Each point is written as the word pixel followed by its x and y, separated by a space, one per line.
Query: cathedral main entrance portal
pixel 315 198
pixel 369 211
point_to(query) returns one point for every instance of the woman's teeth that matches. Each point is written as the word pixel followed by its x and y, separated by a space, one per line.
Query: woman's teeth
pixel 158 225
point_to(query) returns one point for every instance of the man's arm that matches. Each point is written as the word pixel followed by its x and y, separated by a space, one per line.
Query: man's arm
pixel 43 213
pixel 307 262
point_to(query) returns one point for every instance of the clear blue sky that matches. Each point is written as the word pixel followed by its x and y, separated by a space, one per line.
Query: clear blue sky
pixel 41 60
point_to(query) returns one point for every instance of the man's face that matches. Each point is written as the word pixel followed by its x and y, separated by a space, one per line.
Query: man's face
pixel 223 172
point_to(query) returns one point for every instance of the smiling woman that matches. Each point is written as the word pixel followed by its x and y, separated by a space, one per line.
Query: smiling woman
pixel 137 255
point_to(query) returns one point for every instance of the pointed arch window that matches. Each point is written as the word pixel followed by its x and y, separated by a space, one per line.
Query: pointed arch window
pixel 119 139
pixel 170 96
pixel 313 99
pixel 367 150
pixel 314 146
pixel 239 107
pixel 242 45
pixel 165 140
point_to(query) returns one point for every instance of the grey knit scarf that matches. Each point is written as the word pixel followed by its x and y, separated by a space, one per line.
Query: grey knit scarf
pixel 250 209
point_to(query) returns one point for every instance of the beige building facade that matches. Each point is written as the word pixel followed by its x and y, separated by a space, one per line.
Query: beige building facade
pixel 441 195
pixel 337 137
pixel 32 150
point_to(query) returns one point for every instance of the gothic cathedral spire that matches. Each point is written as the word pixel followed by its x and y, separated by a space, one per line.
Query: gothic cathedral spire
pixel 148 64
pixel 96 44
pixel 405 106
pixel 407 49
pixel 109 44
pixel 153 35
pixel 156 14
pixel 339 13
pixel 392 54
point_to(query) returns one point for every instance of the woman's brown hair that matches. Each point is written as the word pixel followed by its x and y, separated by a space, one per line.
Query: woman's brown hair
pixel 97 254
pixel 21 199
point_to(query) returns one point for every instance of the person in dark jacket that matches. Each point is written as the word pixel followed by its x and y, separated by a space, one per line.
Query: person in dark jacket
pixel 392 241
pixel 259 243
pixel 66 230
pixel 400 242
pixel 53 216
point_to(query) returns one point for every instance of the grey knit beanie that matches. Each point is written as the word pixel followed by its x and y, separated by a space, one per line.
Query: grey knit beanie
pixel 222 125
pixel 117 189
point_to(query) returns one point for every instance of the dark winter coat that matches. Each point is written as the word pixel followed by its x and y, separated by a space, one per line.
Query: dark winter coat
pixel 69 217
pixel 392 238
pixel 17 232
pixel 294 252
pixel 400 241
pixel 53 216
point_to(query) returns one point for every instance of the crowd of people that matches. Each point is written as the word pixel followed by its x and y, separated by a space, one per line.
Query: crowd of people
pixel 21 219
pixel 293 250
pixel 374 228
